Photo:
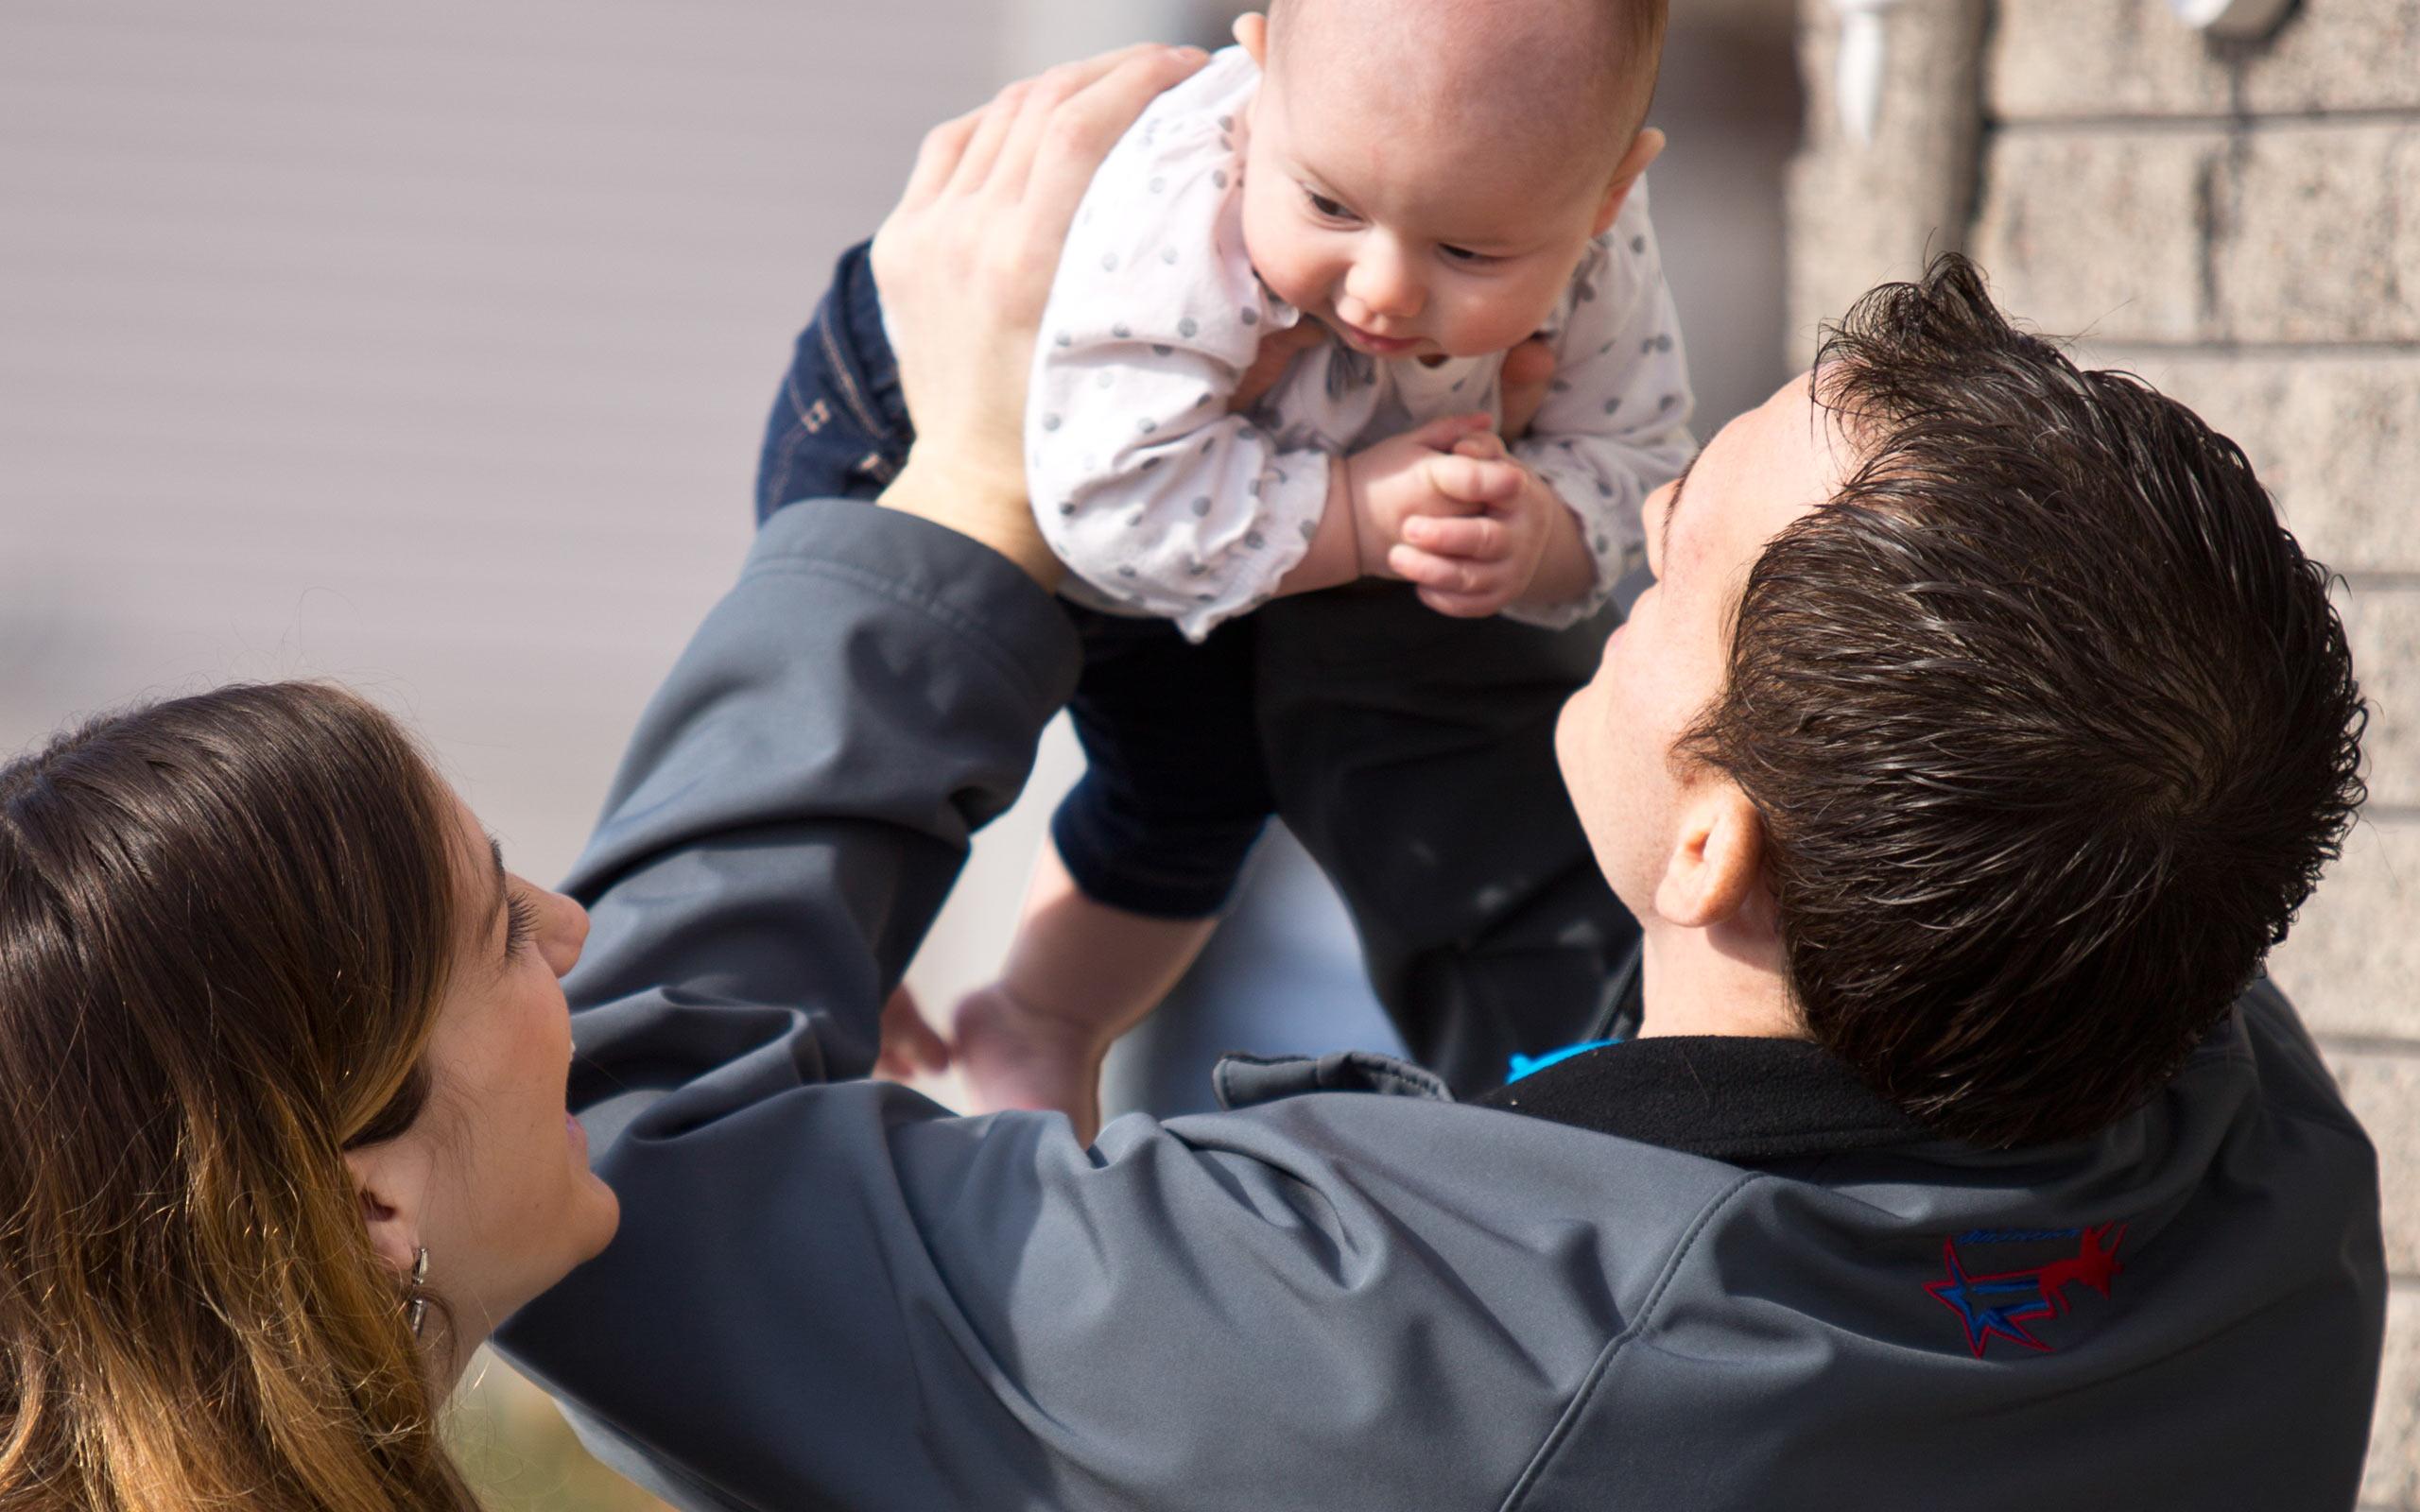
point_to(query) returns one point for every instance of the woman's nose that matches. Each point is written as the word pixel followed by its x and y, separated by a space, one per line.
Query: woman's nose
pixel 564 932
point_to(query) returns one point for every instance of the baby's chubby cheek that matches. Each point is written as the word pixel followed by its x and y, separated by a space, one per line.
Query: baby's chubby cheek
pixel 1275 247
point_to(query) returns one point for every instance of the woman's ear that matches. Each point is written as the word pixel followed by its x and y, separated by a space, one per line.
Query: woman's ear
pixel 1252 33
pixel 1644 149
pixel 1716 870
pixel 390 1179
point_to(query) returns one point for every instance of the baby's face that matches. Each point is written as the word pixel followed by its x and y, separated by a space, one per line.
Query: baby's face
pixel 1405 224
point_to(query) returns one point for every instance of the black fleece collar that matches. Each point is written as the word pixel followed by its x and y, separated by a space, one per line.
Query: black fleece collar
pixel 1730 1097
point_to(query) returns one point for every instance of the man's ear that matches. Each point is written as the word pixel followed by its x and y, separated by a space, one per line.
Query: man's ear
pixel 1643 150
pixel 1716 865
pixel 1252 33
pixel 390 1181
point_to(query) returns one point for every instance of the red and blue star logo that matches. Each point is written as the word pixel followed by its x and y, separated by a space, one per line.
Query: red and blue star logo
pixel 2002 1302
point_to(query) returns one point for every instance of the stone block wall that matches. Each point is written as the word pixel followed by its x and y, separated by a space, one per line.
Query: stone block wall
pixel 2239 223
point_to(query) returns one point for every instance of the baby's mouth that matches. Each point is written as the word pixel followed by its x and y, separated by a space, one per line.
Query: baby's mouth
pixel 1372 343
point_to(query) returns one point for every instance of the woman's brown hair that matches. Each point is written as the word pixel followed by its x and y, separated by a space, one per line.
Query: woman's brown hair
pixel 224 928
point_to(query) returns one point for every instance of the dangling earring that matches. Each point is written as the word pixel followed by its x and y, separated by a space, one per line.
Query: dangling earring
pixel 416 1311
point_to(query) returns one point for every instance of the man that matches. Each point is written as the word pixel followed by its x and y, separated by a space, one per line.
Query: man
pixel 1982 731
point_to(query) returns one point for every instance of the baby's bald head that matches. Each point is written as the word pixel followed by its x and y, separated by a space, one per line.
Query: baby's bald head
pixel 1575 70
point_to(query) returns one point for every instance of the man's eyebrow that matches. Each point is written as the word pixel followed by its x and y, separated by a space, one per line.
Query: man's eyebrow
pixel 1680 484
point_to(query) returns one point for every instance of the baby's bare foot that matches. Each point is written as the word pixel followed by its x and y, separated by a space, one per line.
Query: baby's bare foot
pixel 1009 1055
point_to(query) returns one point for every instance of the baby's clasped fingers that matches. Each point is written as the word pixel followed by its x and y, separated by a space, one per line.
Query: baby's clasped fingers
pixel 1452 585
pixel 1476 481
pixel 1474 537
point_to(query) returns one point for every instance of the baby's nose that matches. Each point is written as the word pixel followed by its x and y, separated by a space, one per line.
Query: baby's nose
pixel 1384 283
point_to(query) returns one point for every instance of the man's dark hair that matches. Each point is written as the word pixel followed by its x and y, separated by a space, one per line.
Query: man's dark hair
pixel 2049 720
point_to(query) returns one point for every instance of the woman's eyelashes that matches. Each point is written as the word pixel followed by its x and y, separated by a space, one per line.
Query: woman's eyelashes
pixel 520 921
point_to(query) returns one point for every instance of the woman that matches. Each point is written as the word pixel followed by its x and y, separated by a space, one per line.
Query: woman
pixel 285 1054
pixel 284 1042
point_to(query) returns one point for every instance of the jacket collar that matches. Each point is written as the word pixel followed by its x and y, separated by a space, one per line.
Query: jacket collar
pixel 1727 1097
pixel 1732 1098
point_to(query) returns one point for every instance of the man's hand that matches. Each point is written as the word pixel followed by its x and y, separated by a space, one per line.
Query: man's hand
pixel 964 265
pixel 1277 350
pixel 1529 369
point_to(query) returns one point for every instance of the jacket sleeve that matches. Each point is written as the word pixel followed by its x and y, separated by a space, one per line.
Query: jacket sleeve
pixel 837 1296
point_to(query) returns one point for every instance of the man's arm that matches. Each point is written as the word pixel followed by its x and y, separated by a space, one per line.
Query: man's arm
pixel 835 1294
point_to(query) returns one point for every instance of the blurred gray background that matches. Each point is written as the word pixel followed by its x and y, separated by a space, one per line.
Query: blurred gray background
pixel 428 347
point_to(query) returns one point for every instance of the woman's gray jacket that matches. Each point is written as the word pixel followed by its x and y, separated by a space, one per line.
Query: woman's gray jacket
pixel 1709 1276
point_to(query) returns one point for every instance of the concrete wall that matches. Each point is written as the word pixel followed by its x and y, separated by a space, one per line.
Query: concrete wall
pixel 2240 224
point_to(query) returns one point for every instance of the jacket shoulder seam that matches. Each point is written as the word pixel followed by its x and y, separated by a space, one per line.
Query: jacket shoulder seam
pixel 1573 1410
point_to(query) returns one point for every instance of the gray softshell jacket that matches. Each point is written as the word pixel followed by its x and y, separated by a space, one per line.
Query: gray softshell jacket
pixel 828 1293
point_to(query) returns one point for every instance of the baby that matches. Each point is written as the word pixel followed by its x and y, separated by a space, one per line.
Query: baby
pixel 1392 194
pixel 1431 181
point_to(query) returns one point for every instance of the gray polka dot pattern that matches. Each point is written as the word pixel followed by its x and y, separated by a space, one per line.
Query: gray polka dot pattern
pixel 1049 422
pixel 1188 328
pixel 1202 506
pixel 1248 316
pixel 1121 331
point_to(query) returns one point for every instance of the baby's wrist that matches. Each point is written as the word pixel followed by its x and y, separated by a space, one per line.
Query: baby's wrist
pixel 1334 556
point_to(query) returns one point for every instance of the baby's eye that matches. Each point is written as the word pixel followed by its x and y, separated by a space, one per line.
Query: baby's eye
pixel 1327 207
pixel 1463 254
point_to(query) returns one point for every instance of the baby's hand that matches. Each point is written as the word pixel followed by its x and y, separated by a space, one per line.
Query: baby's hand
pixel 1446 508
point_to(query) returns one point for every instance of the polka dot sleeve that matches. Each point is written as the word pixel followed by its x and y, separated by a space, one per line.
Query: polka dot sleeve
pixel 1159 500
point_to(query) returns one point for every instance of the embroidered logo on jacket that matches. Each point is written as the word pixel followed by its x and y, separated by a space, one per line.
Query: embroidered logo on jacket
pixel 2004 1302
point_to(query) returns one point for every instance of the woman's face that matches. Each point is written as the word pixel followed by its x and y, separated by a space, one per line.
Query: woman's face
pixel 493 1177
